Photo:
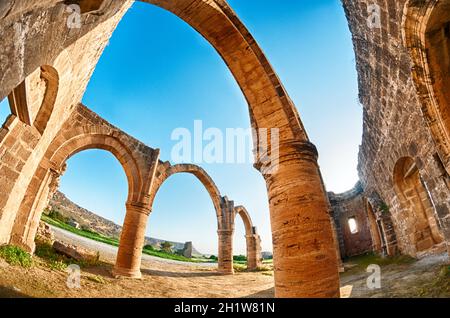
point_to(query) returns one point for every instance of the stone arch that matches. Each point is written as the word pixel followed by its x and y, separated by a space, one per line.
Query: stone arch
pixel 384 220
pixel 46 179
pixel 166 170
pixel 427 37
pixel 50 75
pixel 223 207
pixel 252 239
pixel 376 230
pixel 94 139
pixel 422 228
pixel 33 103
pixel 295 188
pixel 85 130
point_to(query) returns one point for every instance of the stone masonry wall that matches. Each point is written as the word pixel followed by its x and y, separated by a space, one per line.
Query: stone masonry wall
pixel 394 126
pixel 348 205
pixel 30 34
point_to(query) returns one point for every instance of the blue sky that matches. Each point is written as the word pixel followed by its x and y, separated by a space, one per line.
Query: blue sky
pixel 158 74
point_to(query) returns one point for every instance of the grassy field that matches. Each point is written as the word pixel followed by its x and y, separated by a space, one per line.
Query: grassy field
pixel 239 260
pixel 112 241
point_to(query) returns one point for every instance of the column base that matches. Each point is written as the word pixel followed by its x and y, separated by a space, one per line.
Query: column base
pixel 27 247
pixel 118 272
pixel 225 272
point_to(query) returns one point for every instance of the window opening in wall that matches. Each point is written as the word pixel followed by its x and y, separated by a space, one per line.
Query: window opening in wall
pixel 353 225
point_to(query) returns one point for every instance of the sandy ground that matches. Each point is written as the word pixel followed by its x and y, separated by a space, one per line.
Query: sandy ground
pixel 418 279
pixel 166 278
pixel 160 278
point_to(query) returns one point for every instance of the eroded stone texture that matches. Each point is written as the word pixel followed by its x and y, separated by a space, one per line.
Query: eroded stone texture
pixel 253 240
pixel 35 42
pixel 86 130
pixel 34 34
pixel 397 117
pixel 225 214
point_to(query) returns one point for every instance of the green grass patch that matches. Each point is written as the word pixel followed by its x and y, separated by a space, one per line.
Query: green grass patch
pixel 81 232
pixel 14 255
pixel 175 257
pixel 96 279
pixel 239 267
pixel 363 261
pixel 57 261
pixel 114 242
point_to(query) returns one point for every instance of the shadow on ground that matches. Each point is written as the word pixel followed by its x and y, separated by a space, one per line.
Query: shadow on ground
pixel 268 293
pixel 8 292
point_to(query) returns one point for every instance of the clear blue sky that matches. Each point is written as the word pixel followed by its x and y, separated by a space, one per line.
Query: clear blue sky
pixel 158 74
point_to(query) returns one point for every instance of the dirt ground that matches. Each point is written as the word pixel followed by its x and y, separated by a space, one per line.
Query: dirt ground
pixel 428 277
pixel 418 279
pixel 163 280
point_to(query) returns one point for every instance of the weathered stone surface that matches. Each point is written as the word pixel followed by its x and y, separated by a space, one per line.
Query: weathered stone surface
pixel 75 252
pixel 44 234
pixel 404 118
pixel 35 37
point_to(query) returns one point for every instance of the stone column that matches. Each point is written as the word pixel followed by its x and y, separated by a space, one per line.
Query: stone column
pixel 128 262
pixel 253 251
pixel 305 259
pixel 39 193
pixel 341 268
pixel 225 251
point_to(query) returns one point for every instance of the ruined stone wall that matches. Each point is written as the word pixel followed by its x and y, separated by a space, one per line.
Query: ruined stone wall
pixel 33 35
pixel 348 205
pixel 394 125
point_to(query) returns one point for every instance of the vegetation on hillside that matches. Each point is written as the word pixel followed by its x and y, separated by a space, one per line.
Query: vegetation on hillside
pixel 55 219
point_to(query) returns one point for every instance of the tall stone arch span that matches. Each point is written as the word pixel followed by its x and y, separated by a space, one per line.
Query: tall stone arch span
pixel 86 130
pixel 252 238
pixel 403 86
pixel 223 207
pixel 297 197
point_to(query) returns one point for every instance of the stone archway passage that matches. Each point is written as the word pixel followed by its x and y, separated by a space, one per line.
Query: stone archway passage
pixel 427 37
pixel 223 208
pixel 86 130
pixel 252 238
pixel 423 230
pixel 376 230
pixel 304 252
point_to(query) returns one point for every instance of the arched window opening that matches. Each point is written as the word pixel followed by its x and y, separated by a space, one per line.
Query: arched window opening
pixel 421 228
pixel 195 223
pixel 91 197
pixel 353 226
pixel 438 53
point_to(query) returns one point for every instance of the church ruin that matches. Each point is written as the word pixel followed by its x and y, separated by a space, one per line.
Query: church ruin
pixel 400 206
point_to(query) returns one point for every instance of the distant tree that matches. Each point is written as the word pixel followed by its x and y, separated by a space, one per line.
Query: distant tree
pixel 56 215
pixel 166 247
pixel 240 258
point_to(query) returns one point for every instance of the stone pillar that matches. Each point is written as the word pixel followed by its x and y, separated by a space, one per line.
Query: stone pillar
pixel 39 193
pixel 341 268
pixel 225 251
pixel 305 259
pixel 128 262
pixel 253 251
